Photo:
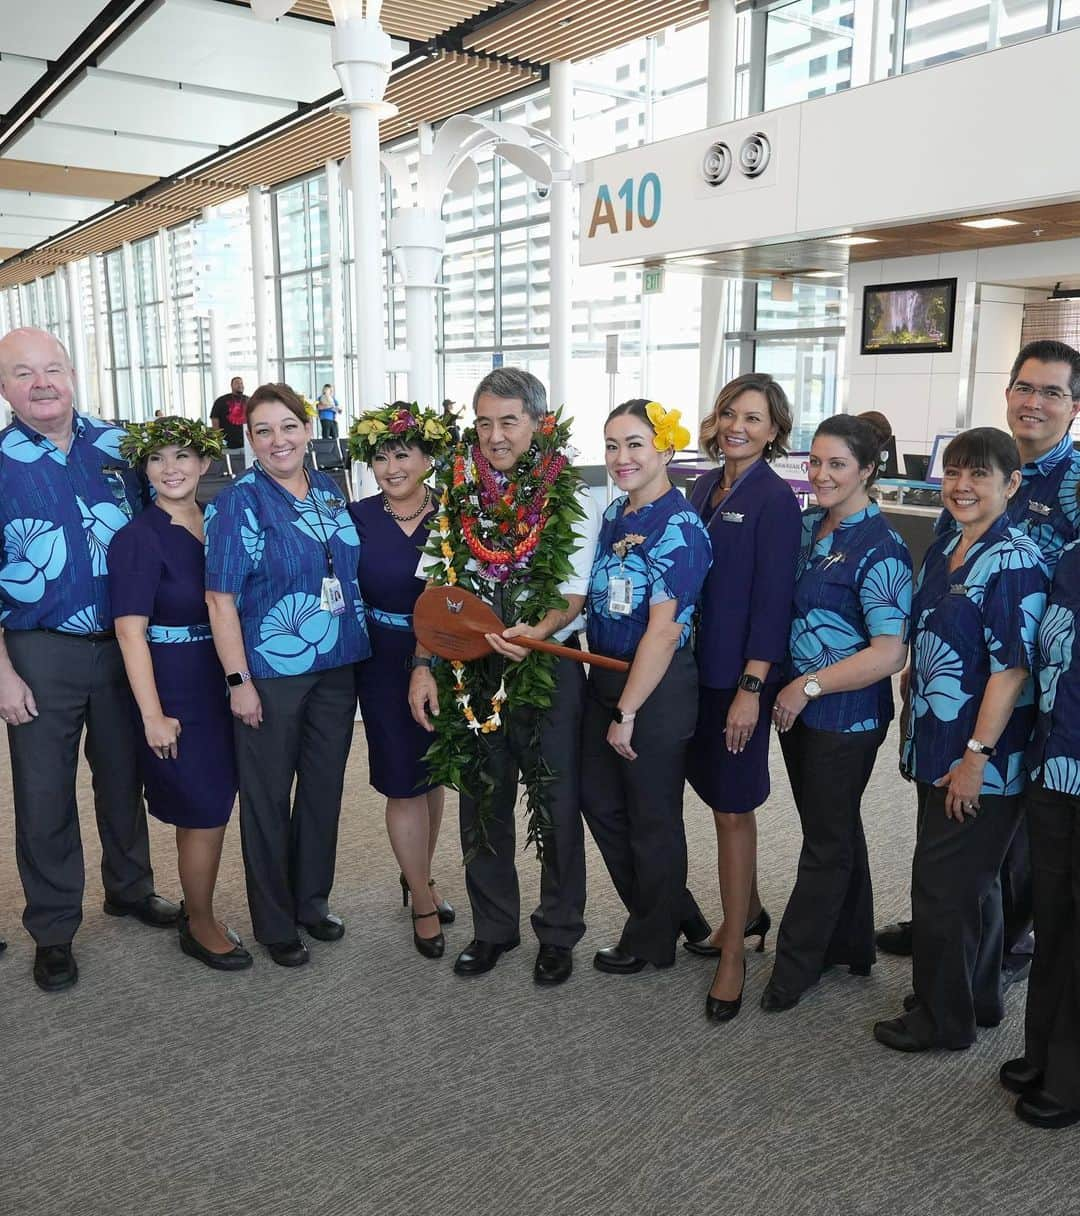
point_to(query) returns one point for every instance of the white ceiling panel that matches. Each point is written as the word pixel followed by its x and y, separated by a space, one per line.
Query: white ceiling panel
pixel 220 46
pixel 138 105
pixel 60 207
pixel 32 224
pixel 17 240
pixel 55 144
pixel 17 74
pixel 44 30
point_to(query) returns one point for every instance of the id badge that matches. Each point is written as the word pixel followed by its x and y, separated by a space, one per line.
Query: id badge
pixel 619 596
pixel 333 601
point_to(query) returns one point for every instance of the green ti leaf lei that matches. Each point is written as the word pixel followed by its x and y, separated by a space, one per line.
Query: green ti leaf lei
pixel 459 755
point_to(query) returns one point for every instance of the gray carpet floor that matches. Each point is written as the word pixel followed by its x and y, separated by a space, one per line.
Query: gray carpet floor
pixel 375 1081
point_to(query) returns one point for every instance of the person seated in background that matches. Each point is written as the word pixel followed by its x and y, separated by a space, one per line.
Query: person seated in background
pixel 181 708
pixel 848 638
pixel 978 602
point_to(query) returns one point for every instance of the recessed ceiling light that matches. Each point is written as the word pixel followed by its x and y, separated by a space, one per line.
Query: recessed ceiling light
pixel 853 240
pixel 823 274
pixel 991 221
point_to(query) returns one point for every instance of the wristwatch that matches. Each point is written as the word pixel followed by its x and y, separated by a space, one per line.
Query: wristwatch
pixel 812 688
pixel 415 661
pixel 751 684
pixel 980 749
pixel 620 716
pixel 235 678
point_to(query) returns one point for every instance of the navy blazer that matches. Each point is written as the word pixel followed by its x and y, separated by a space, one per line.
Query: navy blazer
pixel 746 602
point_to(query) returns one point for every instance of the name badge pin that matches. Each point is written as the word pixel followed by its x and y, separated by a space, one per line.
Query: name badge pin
pixel 732 517
pixel 958 589
pixel 834 559
pixel 1038 508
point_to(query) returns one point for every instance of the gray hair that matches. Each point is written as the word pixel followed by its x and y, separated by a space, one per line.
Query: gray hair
pixel 515 383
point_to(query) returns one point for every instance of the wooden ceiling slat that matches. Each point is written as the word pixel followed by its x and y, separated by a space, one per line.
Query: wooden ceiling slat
pixel 406 18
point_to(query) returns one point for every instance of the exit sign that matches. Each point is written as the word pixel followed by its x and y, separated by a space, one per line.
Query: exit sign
pixel 652 280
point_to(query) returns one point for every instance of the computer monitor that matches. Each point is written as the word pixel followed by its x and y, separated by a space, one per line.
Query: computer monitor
pixel 887 466
pixel 916 466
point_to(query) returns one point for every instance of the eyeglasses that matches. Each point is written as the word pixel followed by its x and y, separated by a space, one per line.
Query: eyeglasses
pixel 1021 388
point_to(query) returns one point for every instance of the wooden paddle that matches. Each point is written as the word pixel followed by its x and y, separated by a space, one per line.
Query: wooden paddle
pixel 451 623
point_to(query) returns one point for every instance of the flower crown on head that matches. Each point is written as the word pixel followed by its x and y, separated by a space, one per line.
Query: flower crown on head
pixel 407 424
pixel 143 438
pixel 670 433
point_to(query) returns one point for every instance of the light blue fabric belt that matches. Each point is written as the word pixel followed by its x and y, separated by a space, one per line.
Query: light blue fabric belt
pixel 391 620
pixel 178 633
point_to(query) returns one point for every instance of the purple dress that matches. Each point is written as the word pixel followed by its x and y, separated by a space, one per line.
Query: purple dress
pixel 389 587
pixel 156 570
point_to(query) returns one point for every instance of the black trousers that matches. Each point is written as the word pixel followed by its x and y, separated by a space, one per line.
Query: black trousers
pixel 956 920
pixel 328 427
pixel 290 840
pixel 634 808
pixel 830 915
pixel 1017 897
pixel 491 875
pixel 76 683
pixel 1052 1027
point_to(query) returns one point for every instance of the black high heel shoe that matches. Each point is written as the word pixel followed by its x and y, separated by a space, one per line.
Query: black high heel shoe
pixel 758 927
pixel 717 1010
pixel 429 947
pixel 445 909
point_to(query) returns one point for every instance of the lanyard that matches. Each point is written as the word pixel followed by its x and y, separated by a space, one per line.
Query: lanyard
pixel 295 503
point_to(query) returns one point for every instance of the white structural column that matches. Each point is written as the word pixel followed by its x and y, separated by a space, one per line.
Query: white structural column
pixel 5 314
pixel 362 58
pixel 260 283
pixel 219 364
pixel 101 339
pixel 69 275
pixel 561 295
pixel 127 263
pixel 870 53
pixel 174 385
pixel 336 269
pixel 719 108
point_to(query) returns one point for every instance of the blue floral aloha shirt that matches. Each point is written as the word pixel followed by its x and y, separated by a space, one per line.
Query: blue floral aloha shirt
pixel 59 511
pixel 669 563
pixel 1053 755
pixel 268 549
pixel 981 619
pixel 850 586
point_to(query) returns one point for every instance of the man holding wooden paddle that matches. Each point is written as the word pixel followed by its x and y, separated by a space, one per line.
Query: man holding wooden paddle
pixel 518 528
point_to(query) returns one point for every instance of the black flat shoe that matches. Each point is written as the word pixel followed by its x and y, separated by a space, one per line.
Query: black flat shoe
pixel 237 959
pixel 775 1001
pixel 445 908
pixel 151 909
pixel 3 945
pixel 718 1010
pixel 429 947
pixel 1019 1076
pixel 897 1034
pixel 231 934
pixel 55 968
pixel 895 939
pixel 615 961
pixel 289 954
pixel 479 957
pixel 758 927
pixel 330 929
pixel 553 964
pixel 1041 1109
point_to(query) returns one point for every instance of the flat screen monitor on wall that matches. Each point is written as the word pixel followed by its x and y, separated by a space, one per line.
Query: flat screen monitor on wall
pixel 909 318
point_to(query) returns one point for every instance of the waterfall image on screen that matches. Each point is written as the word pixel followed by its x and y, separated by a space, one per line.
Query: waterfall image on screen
pixel 903 317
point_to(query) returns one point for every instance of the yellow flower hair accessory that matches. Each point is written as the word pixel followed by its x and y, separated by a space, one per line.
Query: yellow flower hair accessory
pixel 409 424
pixel 670 433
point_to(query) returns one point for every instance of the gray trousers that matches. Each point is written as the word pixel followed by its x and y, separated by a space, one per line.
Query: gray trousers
pixel 76 683
pixel 290 841
pixel 491 876
pixel 956 921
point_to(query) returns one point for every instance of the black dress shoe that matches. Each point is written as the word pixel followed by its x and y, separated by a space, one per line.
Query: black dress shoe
pixel 289 954
pixel 236 959
pixel 718 1010
pixel 1041 1109
pixel 182 921
pixel 758 927
pixel 445 909
pixel 912 1002
pixel 898 1035
pixel 330 929
pixel 553 964
pixel 55 968
pixel 151 909
pixel 1019 1076
pixel 615 961
pixel 695 928
pixel 775 1001
pixel 429 947
pixel 895 939
pixel 1015 969
pixel 479 957
pixel 3 945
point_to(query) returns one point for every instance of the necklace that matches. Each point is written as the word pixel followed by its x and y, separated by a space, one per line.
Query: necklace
pixel 404 519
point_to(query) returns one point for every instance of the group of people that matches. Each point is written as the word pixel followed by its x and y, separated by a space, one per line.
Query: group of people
pixel 210 653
